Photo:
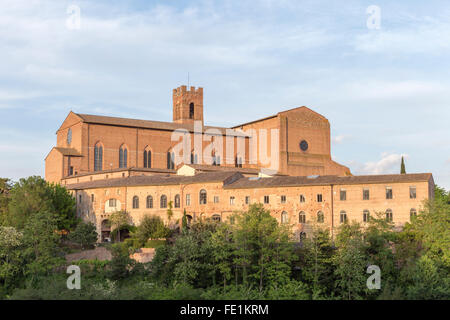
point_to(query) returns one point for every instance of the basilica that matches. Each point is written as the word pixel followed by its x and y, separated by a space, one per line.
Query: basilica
pixel 282 161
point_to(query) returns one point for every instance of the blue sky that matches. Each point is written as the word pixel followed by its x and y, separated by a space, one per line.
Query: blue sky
pixel 385 91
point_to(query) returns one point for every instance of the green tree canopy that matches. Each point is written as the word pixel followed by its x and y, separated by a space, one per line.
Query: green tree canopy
pixel 34 194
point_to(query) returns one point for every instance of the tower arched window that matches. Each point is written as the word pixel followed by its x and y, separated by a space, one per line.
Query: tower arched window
pixel 98 157
pixel 135 202
pixel 191 110
pixel 149 202
pixel 163 201
pixel 147 159
pixel 203 196
pixel 123 157
pixel 177 201
pixel 302 217
pixel 320 217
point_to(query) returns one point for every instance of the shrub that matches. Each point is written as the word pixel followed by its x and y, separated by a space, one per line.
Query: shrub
pixel 85 235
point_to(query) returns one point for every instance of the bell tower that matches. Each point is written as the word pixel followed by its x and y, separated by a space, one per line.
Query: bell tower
pixel 187 105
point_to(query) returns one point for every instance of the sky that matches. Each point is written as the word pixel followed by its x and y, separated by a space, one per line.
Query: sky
pixel 381 75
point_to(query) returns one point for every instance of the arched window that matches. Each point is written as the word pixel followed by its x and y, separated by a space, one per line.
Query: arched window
pixel 170 160
pixel 320 217
pixel 202 196
pixel 216 217
pixel 302 217
pixel 147 159
pixel 366 216
pixel 191 110
pixel 163 202
pixel 302 236
pixel 98 157
pixel 69 136
pixel 284 217
pixel 389 215
pixel 343 217
pixel 149 202
pixel 177 201
pixel 412 214
pixel 135 202
pixel 123 157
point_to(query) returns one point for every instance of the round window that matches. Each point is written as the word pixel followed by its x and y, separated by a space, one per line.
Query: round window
pixel 304 145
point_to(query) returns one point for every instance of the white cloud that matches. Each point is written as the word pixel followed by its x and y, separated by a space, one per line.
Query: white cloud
pixel 388 164
pixel 419 36
pixel 339 138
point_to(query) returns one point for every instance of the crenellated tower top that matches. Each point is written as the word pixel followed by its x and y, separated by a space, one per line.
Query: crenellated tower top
pixel 187 104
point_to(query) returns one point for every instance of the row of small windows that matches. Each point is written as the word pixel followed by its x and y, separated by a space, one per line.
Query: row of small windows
pixel 343 195
pixel 320 218
pixel 343 216
pixel 389 193
pixel 162 202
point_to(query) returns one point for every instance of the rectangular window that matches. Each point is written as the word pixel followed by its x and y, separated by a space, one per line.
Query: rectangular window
pixel 70 171
pixel 319 197
pixel 79 198
pixel 92 198
pixel 188 199
pixel 366 194
pixel 302 198
pixel 216 199
pixel 343 195
pixel 232 201
pixel 266 199
pixel 388 193
pixel 247 200
pixel 283 199
pixel 412 192
pixel 112 203
pixel 366 216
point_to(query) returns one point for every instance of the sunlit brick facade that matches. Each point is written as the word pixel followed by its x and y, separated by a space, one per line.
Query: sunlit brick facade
pixel 118 164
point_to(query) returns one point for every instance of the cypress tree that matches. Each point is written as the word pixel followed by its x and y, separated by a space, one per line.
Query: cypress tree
pixel 402 167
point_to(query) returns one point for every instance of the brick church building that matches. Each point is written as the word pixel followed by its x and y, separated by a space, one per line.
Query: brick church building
pixel 283 161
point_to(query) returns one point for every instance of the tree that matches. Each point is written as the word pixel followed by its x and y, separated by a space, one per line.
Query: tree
pixel 11 259
pixel 64 205
pixel 262 247
pixel 85 234
pixel 151 227
pixel 169 212
pixel 350 262
pixel 34 194
pixel 120 263
pixel 5 189
pixel 221 243
pixel 402 166
pixel 184 222
pixel 185 259
pixel 118 220
pixel 318 268
pixel 41 243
